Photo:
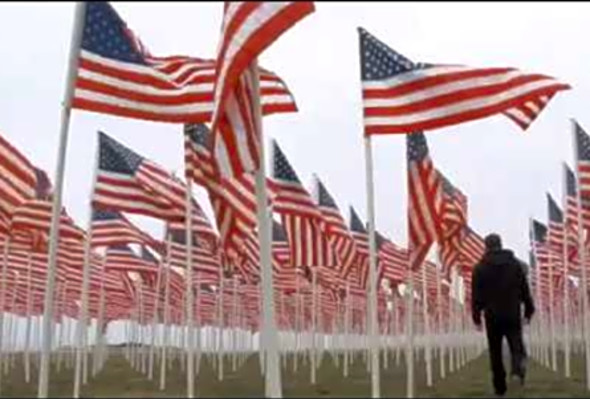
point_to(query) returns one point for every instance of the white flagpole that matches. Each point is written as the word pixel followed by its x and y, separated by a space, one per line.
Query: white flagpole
pixel 235 324
pixel 552 314
pixel 190 369
pixel 566 291
pixel 439 317
pixel 314 318
pixel 99 321
pixel 273 386
pixel 427 348
pixel 29 316
pixel 410 335
pixel 373 328
pixel 220 324
pixel 163 356
pixel 581 244
pixel 3 304
pixel 78 26
pixel 155 320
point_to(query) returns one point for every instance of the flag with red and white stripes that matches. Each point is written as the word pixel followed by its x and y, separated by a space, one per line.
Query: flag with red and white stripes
pixel 112 228
pixel 401 96
pixel 424 203
pixel 118 76
pixel 300 216
pixel 18 181
pixel 335 228
pixel 248 28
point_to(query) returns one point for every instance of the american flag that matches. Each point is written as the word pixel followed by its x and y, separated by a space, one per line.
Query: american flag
pixel 571 212
pixel 233 199
pixel 336 230
pixel 583 171
pixel 128 182
pixel 400 96
pixel 361 239
pixel 472 248
pixel 112 228
pixel 247 30
pixel 300 216
pixel 118 76
pixel 18 179
pixel 393 260
pixel 555 232
pixel 539 242
pixel 424 204
pixel 202 258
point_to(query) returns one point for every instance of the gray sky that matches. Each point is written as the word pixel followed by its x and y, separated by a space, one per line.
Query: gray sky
pixel 504 172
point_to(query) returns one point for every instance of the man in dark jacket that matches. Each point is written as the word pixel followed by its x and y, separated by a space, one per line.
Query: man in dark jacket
pixel 499 286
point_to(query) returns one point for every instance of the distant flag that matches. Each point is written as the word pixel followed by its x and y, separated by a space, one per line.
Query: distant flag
pixel 18 181
pixel 424 191
pixel 128 182
pixel 336 229
pixel 400 96
pixel 248 29
pixel 361 239
pixel 555 232
pixel 300 216
pixel 117 75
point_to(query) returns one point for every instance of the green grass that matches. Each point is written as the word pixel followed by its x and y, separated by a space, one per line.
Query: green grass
pixel 120 380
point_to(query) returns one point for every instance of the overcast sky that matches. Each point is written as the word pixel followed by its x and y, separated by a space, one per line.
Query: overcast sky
pixel 504 172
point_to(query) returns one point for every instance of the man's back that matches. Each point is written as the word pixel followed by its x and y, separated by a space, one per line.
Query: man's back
pixel 500 286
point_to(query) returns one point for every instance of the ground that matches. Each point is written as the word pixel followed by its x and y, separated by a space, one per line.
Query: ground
pixel 118 379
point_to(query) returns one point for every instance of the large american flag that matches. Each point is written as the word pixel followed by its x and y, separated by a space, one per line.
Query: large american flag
pixel 583 171
pixel 300 216
pixel 400 96
pixel 336 230
pixel 118 76
pixel 248 29
pixel 424 191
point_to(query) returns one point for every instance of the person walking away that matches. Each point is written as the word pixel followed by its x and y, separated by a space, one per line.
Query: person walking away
pixel 499 287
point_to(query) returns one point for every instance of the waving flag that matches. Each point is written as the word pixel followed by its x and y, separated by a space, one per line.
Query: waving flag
pixel 117 75
pixel 112 228
pixel 424 190
pixel 248 29
pixel 361 239
pixel 300 216
pixel 393 260
pixel 555 234
pixel 400 96
pixel 336 230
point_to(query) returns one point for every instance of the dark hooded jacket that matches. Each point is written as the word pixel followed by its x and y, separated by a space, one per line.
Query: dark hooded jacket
pixel 499 287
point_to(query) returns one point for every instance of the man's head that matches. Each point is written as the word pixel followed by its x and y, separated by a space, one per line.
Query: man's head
pixel 493 242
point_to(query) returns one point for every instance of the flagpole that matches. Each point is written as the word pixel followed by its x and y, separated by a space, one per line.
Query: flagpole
pixel 410 335
pixel 373 330
pixel 78 25
pixel 190 371
pixel 273 386
pixel 98 330
pixel 165 332
pixel 427 349
pixel 565 302
pixel 581 244
pixel 439 319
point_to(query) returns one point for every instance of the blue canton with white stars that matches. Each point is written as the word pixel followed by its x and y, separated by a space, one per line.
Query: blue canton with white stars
pixel 583 143
pixel 114 157
pixel 539 232
pixel 99 214
pixel 120 248
pixel 199 134
pixel 278 232
pixel 355 222
pixel 147 255
pixel 570 179
pixel 417 148
pixel 555 214
pixel 282 170
pixel 325 199
pixel 105 34
pixel 378 61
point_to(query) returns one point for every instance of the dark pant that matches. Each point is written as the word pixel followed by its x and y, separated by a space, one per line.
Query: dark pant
pixel 496 330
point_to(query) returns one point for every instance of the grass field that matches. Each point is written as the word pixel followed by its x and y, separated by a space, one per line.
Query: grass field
pixel 118 379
